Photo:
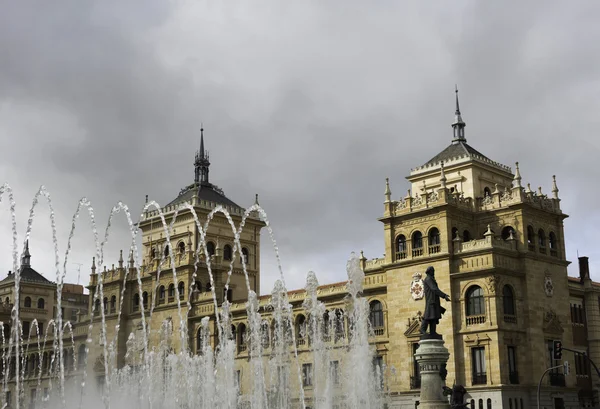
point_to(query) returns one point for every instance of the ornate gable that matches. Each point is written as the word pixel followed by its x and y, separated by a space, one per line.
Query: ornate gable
pixel 552 323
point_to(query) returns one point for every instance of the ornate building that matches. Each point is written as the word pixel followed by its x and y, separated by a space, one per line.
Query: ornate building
pixel 497 248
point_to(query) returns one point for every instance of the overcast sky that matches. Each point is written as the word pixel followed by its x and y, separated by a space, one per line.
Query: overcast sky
pixel 310 104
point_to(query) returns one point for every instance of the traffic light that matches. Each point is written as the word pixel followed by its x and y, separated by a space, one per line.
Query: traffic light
pixel 557 349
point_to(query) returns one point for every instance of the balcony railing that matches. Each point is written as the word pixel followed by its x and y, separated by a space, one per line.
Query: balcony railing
pixel 379 331
pixel 479 378
pixel 553 253
pixel 415 382
pixel 434 249
pixel 557 379
pixel 509 318
pixel 513 377
pixel 531 246
pixel 543 250
pixel 400 255
pixel 476 319
pixel 418 252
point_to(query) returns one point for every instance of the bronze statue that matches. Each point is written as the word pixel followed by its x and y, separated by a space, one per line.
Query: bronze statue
pixel 433 309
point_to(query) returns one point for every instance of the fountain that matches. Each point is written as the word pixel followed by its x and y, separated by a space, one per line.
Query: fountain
pixel 155 375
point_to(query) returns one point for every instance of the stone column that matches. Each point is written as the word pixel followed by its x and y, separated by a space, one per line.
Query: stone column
pixel 431 356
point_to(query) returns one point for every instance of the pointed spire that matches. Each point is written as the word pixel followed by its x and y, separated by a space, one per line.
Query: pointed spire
pixel 388 192
pixel 131 260
pixel 458 125
pixel 201 162
pixel 120 258
pixel 93 265
pixel 517 178
pixel 26 259
pixel 256 199
pixel 442 176
pixel 554 187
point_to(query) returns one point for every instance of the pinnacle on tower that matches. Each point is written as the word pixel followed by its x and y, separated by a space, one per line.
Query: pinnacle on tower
pixel 458 125
pixel 554 187
pixel 442 176
pixel 517 178
pixel 201 163
pixel 388 192
pixel 26 259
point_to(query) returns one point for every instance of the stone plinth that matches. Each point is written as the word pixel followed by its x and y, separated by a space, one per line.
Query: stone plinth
pixel 431 356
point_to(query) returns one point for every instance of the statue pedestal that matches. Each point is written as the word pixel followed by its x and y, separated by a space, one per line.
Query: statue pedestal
pixel 431 356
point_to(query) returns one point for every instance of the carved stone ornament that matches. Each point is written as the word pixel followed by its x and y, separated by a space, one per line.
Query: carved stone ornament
pixel 493 282
pixel 548 286
pixel 416 287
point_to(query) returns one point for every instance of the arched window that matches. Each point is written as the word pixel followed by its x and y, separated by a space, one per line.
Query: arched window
pixel 199 286
pixel 300 329
pixel 326 325
pixel 245 255
pixel 227 253
pixel 541 238
pixel 401 247
pixel 113 303
pixel 489 403
pixel 161 294
pixel 167 250
pixel 480 403
pixel 81 355
pixel 552 244
pixel 210 247
pixel 171 293
pixel 466 236
pixel 508 301
pixel 41 303
pixel 181 289
pixel 97 307
pixel 265 334
pixel 376 315
pixel 229 295
pixel 105 304
pixel 7 301
pixel 417 244
pixel 338 325
pixel 153 253
pixel 475 302
pixel 181 247
pixel 487 192
pixel 208 287
pixel 530 238
pixel 506 231
pixel 27 303
pixel 136 302
pixel 232 335
pixel 145 299
pixel 434 240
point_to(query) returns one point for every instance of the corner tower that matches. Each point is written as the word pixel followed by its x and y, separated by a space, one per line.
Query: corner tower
pixel 498 250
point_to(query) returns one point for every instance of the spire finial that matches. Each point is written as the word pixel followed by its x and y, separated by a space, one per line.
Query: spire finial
pixel 458 125
pixel 554 187
pixel 517 178
pixel 201 162
pixel 26 259
pixel 120 258
pixel 388 192
pixel 93 265
pixel 256 199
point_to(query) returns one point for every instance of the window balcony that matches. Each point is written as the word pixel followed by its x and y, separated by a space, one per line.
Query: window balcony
pixel 379 331
pixel 476 319
pixel 418 252
pixel 400 255
pixel 542 250
pixel 434 249
pixel 553 252
pixel 513 377
pixel 509 318
pixel 531 246
pixel 171 299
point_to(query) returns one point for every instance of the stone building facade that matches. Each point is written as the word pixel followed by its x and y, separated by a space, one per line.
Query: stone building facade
pixel 497 247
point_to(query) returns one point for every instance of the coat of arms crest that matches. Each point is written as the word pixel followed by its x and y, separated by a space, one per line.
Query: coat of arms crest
pixel 416 287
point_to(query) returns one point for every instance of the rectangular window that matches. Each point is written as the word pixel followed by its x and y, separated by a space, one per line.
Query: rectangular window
pixel 513 375
pixel 334 372
pixel 478 366
pixel 306 374
pixel 26 329
pixel 41 328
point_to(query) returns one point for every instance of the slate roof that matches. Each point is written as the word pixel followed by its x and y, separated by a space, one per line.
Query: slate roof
pixel 204 191
pixel 455 149
pixel 30 275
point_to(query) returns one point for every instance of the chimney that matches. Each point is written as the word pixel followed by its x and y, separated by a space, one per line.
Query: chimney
pixel 584 268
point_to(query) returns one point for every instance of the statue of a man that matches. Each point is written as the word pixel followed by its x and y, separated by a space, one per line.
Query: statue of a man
pixel 433 309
